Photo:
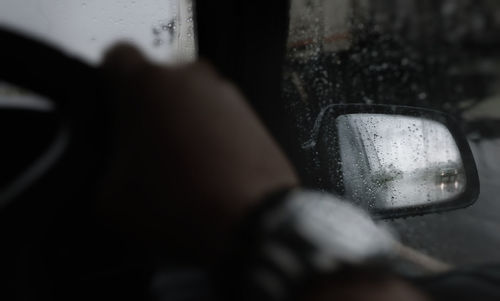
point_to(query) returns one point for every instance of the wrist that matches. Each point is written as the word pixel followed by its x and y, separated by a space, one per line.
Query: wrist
pixel 299 235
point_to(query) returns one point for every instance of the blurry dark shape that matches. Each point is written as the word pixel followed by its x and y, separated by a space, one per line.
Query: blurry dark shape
pixel 24 135
pixel 484 129
pixel 246 42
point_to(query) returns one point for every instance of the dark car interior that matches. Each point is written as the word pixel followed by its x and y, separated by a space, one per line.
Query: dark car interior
pixel 54 247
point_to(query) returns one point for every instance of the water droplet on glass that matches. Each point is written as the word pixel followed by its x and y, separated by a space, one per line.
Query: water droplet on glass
pixel 422 96
pixel 157 42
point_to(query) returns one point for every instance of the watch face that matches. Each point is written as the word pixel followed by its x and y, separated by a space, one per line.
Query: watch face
pixel 311 233
pixel 337 229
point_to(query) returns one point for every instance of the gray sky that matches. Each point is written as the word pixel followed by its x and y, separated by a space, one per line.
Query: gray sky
pixel 407 143
pixel 87 27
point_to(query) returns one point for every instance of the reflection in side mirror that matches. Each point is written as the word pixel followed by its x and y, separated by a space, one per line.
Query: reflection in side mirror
pixel 402 161
pixel 398 161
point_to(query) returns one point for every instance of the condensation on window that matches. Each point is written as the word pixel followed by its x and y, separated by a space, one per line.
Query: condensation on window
pixel 163 30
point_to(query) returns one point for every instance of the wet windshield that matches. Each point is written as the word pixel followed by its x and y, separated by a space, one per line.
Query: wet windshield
pixel 442 55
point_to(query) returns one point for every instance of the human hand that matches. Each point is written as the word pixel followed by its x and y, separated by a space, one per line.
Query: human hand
pixel 190 157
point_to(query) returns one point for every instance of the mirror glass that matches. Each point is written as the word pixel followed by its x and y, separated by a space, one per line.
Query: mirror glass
pixel 395 161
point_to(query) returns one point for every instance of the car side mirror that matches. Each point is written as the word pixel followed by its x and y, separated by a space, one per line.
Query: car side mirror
pixel 397 161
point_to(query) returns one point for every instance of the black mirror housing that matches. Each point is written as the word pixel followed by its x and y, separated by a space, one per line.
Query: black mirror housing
pixel 395 161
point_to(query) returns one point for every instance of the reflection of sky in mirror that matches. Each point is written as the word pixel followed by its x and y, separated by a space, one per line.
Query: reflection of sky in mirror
pixel 405 142
pixel 398 161
pixel 87 27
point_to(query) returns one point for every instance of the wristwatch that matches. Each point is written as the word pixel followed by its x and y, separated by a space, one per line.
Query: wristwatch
pixel 296 236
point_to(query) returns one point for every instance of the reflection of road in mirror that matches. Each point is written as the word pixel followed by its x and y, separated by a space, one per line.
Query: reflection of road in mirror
pixel 419 189
pixel 392 161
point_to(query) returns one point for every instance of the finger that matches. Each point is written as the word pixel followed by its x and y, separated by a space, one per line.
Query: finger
pixel 124 60
pixel 204 68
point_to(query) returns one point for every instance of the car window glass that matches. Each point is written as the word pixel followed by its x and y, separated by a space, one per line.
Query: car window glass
pixel 162 29
pixel 442 55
